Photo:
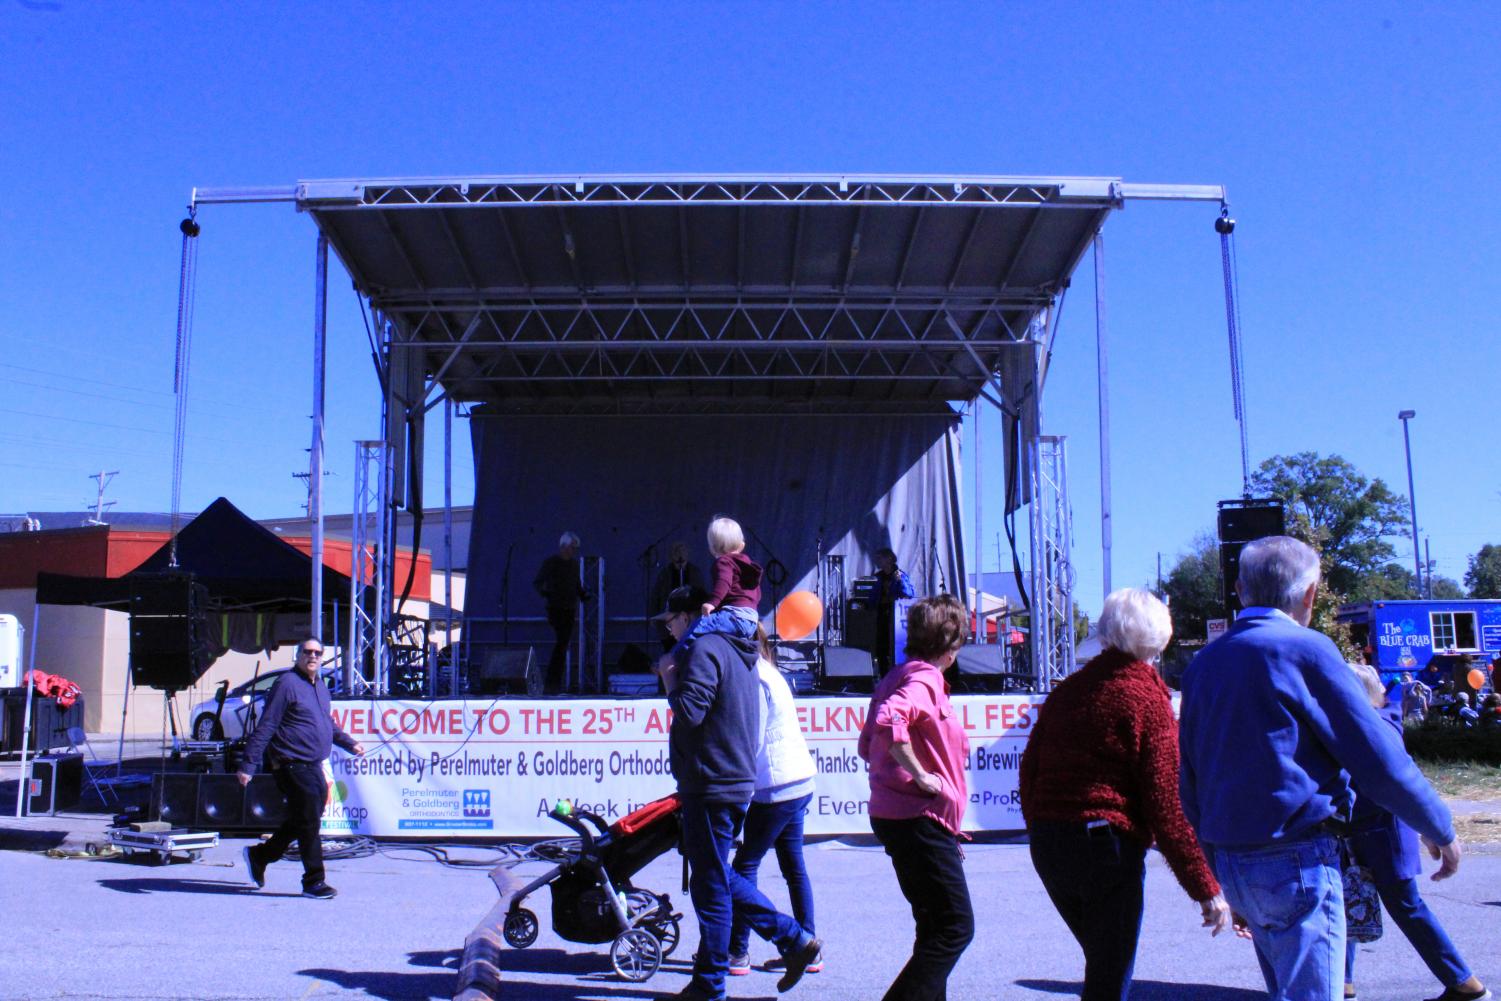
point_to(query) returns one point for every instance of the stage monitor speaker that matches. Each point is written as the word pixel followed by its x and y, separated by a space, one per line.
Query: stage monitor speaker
pixel 507 669
pixel 991 658
pixel 56 783
pixel 848 662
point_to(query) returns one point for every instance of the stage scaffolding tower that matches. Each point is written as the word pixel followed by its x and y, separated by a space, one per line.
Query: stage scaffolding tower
pixel 366 662
pixel 1051 521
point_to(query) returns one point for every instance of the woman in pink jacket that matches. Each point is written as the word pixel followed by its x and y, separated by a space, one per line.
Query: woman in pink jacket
pixel 916 750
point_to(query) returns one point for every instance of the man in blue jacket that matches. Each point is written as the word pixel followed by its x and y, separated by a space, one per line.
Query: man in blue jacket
pixel 1273 726
pixel 715 695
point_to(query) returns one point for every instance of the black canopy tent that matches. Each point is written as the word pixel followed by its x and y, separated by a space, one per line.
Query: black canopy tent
pixel 243 565
pixel 247 571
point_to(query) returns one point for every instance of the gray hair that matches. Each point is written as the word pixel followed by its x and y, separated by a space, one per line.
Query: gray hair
pixel 1276 571
pixel 568 539
pixel 1370 679
pixel 1135 622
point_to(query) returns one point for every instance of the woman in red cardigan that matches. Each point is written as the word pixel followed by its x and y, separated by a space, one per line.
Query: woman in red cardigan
pixel 1099 784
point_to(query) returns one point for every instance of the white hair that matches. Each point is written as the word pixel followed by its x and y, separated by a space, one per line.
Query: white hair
pixel 1375 691
pixel 1275 572
pixel 568 539
pixel 725 536
pixel 1135 622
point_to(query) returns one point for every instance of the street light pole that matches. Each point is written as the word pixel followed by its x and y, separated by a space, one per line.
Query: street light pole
pixel 1412 500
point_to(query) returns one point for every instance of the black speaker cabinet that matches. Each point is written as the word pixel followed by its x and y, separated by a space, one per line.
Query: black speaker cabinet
pixel 1250 519
pixel 848 662
pixel 169 639
pixel 989 659
pixel 265 806
pixel 217 802
pixel 506 669
pixel 174 798
pixel 1240 522
pixel 56 783
pixel 221 801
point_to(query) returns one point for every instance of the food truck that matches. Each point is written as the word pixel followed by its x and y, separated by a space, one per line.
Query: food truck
pixel 1405 635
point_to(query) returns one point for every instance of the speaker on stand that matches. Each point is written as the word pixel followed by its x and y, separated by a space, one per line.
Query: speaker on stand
pixel 1242 521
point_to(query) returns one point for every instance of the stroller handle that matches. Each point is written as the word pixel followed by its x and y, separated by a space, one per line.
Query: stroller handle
pixel 572 822
pixel 595 819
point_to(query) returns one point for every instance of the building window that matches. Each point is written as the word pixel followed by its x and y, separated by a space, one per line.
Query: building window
pixel 1453 631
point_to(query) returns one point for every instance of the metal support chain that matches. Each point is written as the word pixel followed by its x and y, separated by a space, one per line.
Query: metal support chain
pixel 1225 227
pixel 187 294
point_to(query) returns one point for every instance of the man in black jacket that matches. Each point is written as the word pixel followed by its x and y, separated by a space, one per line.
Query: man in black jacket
pixel 715 695
pixel 557 581
pixel 296 733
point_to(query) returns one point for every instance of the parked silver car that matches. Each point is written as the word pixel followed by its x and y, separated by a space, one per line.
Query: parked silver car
pixel 240 703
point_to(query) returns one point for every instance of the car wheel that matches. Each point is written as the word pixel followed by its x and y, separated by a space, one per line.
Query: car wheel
pixel 205 727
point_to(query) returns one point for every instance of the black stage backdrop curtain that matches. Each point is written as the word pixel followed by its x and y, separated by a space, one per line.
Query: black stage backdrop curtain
pixel 630 486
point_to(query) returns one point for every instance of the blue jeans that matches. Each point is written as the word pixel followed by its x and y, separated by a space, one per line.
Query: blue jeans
pixel 1293 899
pixel 778 825
pixel 1095 877
pixel 719 892
pixel 1408 911
pixel 741 622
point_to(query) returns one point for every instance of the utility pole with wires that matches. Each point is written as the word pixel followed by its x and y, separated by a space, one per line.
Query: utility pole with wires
pixel 102 480
pixel 307 481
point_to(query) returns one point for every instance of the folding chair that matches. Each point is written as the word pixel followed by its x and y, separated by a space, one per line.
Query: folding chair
pixel 94 767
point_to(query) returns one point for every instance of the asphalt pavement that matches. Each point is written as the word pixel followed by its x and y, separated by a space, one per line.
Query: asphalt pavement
pixel 120 929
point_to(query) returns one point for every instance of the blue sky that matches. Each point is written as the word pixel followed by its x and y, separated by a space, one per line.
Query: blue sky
pixel 1357 142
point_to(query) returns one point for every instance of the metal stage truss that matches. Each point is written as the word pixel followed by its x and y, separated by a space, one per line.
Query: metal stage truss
pixel 724 294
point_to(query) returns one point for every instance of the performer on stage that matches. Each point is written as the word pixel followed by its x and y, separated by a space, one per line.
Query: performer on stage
pixel 894 580
pixel 894 584
pixel 557 581
pixel 678 572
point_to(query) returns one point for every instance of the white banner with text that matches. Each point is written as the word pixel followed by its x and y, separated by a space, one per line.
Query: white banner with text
pixel 481 768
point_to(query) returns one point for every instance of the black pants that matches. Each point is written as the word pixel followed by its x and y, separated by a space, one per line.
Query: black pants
pixel 562 621
pixel 306 791
pixel 930 871
pixel 1094 877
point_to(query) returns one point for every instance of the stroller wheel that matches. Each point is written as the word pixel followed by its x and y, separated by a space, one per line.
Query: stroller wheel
pixel 636 954
pixel 520 929
pixel 668 933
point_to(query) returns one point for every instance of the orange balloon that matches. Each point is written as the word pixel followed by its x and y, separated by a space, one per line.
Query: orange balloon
pixel 798 615
pixel 1476 678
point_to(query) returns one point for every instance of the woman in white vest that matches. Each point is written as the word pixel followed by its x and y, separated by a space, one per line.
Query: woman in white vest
pixel 784 787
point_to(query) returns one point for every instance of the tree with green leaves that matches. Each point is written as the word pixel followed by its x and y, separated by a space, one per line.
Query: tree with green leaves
pixel 1483 577
pixel 1192 589
pixel 1334 508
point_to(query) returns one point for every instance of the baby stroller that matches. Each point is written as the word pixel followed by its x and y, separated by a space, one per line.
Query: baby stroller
pixel 593 900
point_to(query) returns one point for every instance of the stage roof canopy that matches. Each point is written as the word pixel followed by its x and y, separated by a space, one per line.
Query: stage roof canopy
pixel 653 292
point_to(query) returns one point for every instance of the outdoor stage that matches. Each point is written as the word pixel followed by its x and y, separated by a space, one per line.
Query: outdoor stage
pixel 482 768
pixel 641 353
